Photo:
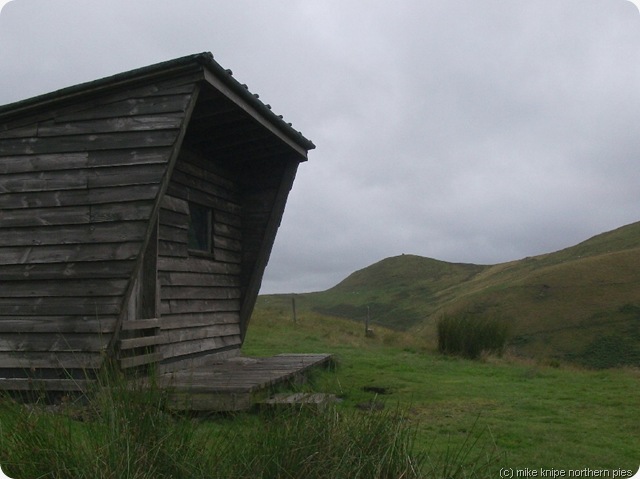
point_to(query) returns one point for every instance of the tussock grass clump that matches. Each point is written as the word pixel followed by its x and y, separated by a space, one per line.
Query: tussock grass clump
pixel 123 431
pixel 470 336
pixel 354 444
pixel 470 459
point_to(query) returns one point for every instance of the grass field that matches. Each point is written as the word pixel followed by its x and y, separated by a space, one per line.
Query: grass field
pixel 526 413
pixel 405 412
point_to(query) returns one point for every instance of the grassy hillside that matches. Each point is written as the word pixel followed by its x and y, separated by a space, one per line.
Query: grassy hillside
pixel 399 292
pixel 579 304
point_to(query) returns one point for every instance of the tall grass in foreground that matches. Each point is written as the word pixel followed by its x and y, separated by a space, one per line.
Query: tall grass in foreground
pixel 470 336
pixel 124 432
pixel 307 444
pixel 471 459
pixel 121 432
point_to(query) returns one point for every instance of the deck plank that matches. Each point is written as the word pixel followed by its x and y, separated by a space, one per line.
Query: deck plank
pixel 231 384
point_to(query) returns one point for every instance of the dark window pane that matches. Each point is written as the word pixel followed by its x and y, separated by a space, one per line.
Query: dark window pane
pixel 199 227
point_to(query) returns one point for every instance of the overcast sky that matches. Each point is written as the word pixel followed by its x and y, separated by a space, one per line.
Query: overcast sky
pixel 462 130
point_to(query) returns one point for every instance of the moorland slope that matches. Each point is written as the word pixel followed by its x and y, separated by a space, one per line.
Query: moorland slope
pixel 580 304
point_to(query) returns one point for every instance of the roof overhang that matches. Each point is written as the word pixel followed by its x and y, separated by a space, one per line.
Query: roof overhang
pixel 200 67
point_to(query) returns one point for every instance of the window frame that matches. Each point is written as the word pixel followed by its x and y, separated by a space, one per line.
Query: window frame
pixel 206 212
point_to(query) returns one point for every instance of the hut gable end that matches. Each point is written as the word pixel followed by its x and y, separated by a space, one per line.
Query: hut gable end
pixel 137 215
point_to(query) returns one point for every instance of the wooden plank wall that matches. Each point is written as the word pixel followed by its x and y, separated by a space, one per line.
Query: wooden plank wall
pixel 200 293
pixel 266 187
pixel 261 186
pixel 77 187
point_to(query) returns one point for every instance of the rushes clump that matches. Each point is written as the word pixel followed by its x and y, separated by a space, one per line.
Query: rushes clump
pixel 470 336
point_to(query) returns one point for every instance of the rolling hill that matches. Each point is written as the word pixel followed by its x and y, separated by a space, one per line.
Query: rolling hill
pixel 580 304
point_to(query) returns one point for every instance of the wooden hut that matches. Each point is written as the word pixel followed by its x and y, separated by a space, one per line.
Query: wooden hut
pixel 137 215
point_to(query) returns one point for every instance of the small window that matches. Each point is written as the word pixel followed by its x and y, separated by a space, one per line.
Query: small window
pixel 200 228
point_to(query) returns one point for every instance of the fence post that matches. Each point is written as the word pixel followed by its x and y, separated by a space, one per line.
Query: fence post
pixel 293 308
pixel 367 331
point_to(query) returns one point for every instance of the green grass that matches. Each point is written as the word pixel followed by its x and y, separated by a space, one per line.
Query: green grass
pixel 309 444
pixel 532 414
pixel 441 417
pixel 120 431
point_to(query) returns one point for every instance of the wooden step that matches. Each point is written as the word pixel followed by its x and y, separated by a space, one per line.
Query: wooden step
pixel 316 401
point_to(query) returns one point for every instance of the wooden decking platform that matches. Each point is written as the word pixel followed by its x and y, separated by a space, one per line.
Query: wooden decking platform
pixel 235 383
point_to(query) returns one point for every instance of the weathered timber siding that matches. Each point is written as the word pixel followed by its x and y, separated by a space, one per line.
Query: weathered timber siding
pixel 78 183
pixel 266 186
pixel 95 184
pixel 200 293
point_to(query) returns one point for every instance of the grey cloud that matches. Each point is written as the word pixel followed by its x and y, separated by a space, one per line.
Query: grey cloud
pixel 461 130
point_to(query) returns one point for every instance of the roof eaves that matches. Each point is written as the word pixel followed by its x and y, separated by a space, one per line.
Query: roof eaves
pixel 242 90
